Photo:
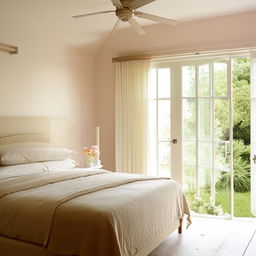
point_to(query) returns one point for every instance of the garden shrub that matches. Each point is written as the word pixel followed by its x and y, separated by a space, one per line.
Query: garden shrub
pixel 241 167
pixel 202 206
pixel 242 181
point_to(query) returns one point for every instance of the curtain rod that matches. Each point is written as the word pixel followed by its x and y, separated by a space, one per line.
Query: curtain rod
pixel 189 54
pixel 8 48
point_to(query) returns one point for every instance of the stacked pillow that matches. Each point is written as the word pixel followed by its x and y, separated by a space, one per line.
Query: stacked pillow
pixel 13 156
pixel 29 161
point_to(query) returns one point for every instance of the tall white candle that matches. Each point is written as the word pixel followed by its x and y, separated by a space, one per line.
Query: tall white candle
pixel 98 143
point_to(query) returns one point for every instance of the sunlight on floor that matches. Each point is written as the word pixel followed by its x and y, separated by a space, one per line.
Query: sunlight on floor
pixel 211 236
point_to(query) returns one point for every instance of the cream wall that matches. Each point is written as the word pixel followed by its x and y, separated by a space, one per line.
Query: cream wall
pixel 48 78
pixel 232 31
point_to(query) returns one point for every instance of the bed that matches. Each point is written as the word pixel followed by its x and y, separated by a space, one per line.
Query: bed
pixel 49 206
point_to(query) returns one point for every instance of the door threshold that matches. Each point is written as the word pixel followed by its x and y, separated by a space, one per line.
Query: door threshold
pixel 227 217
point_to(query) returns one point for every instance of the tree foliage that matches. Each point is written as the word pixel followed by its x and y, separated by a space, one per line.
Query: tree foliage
pixel 241 129
pixel 241 95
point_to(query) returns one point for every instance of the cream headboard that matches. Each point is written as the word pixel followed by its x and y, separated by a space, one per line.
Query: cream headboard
pixel 41 129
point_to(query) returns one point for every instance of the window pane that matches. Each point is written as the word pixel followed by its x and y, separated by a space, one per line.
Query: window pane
pixel 164 83
pixel 164 128
pixel 204 80
pixel 221 109
pixel 222 155
pixel 152 139
pixel 205 154
pixel 220 78
pixel 152 84
pixel 188 81
pixel 165 170
pixel 223 193
pixel 189 152
pixel 164 153
pixel 205 183
pixel 189 180
pixel 189 119
pixel 205 119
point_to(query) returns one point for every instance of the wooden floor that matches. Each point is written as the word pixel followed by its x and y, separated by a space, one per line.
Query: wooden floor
pixel 208 237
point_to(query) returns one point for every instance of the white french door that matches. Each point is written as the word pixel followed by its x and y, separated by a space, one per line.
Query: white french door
pixel 164 122
pixel 253 133
pixel 191 126
pixel 207 131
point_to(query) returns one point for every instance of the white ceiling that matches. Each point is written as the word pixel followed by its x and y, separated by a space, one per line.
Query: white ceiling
pixel 53 17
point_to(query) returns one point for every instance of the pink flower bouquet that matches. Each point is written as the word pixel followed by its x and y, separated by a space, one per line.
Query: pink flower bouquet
pixel 90 154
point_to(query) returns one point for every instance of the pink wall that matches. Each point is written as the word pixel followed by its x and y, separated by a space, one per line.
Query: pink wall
pixel 232 31
pixel 49 78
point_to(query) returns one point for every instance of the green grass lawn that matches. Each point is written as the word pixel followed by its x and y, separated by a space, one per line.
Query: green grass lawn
pixel 241 203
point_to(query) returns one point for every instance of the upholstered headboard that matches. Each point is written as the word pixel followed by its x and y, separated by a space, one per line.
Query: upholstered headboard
pixel 40 129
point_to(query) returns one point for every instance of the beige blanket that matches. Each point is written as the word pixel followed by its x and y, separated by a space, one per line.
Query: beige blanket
pixel 88 212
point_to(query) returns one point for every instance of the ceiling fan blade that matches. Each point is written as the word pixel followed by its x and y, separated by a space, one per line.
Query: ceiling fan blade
pixel 138 3
pixel 90 14
pixel 116 26
pixel 112 32
pixel 156 18
pixel 117 3
pixel 136 26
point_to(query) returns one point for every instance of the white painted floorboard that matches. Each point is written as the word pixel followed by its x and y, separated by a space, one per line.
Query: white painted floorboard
pixel 211 237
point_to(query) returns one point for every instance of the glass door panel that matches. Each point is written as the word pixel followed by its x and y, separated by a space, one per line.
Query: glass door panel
pixel 164 117
pixel 204 116
pixel 164 83
pixel 160 101
pixel 205 185
pixel 189 153
pixel 189 180
pixel 206 130
pixel 222 119
pixel 220 73
pixel 189 81
pixel 189 119
pixel 204 80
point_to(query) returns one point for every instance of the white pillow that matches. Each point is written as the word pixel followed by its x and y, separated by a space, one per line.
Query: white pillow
pixel 7 172
pixel 12 156
pixel 63 165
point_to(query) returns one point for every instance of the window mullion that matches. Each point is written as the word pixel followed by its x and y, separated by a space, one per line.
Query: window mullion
pixel 212 133
pixel 157 125
pixel 197 133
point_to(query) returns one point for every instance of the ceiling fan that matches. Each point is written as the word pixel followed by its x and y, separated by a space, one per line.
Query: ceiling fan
pixel 126 10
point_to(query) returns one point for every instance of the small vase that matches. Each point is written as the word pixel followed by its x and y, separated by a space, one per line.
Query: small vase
pixel 91 164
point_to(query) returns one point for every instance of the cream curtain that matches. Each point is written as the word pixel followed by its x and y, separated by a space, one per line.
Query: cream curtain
pixel 131 116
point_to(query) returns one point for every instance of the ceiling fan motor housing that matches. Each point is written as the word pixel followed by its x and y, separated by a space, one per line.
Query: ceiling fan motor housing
pixel 124 14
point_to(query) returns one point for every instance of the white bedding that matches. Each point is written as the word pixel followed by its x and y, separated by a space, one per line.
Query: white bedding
pixel 65 210
pixel 80 212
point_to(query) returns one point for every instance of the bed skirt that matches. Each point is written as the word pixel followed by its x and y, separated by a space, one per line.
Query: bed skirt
pixel 12 247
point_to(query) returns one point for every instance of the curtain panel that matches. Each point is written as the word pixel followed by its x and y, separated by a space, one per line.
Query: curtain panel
pixel 131 114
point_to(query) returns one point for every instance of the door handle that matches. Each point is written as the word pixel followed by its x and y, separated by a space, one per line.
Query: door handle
pixel 254 159
pixel 174 141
